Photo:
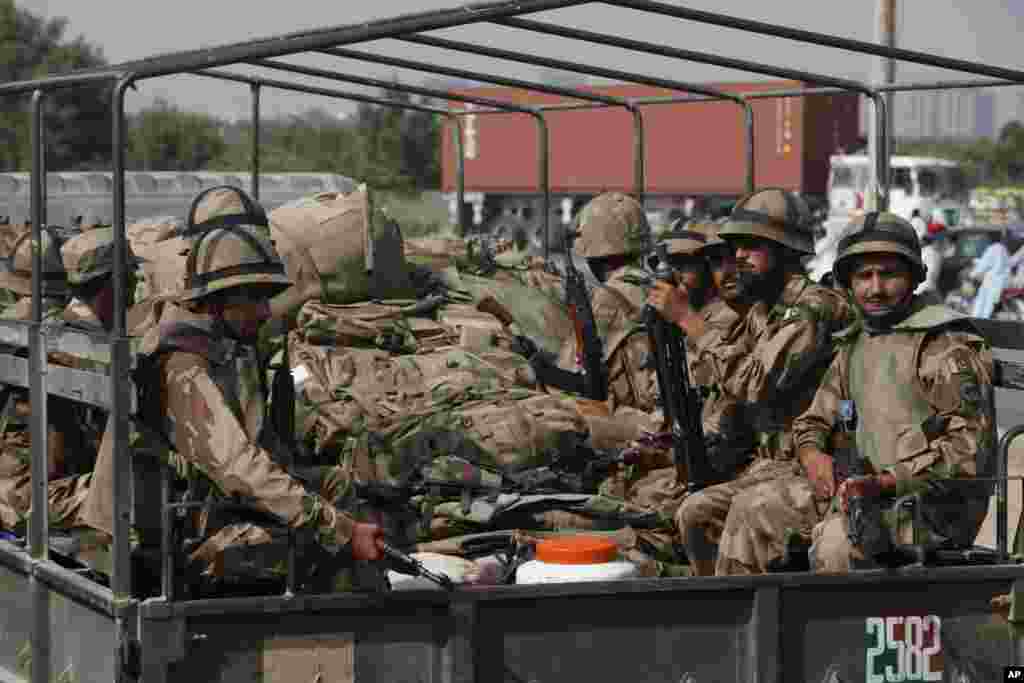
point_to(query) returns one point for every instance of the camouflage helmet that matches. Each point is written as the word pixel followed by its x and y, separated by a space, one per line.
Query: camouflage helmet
pixel 16 267
pixel 684 240
pixel 90 255
pixel 611 224
pixel 773 214
pixel 223 205
pixel 878 233
pixel 231 246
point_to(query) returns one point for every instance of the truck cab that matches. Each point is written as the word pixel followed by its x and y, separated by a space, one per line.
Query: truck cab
pixel 921 183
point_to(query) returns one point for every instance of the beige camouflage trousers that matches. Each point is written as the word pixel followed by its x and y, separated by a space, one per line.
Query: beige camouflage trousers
pixel 749 516
pixel 65 496
pixel 760 520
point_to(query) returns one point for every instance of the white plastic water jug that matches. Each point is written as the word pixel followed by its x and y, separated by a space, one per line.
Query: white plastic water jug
pixel 575 558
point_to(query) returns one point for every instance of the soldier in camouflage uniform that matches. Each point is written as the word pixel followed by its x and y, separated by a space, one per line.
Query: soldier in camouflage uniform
pixel 206 397
pixel 770 363
pixel 911 381
pixel 65 493
pixel 89 262
pixel 727 437
pixel 612 234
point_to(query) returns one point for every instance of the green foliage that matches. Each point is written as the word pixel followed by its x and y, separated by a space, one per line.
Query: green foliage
pixel 388 148
pixel 997 162
pixel 77 122
pixel 165 138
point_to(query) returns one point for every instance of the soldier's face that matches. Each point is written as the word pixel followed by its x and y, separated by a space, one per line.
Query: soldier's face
pixel 756 265
pixel 689 271
pixel 881 283
pixel 723 272
pixel 245 316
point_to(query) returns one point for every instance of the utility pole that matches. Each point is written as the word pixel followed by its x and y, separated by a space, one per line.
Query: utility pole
pixel 884 72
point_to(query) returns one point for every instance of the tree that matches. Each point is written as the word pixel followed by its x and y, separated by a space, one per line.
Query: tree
pixel 165 138
pixel 77 119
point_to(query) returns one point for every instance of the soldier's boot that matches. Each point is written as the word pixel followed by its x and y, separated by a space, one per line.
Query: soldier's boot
pixel 700 551
pixel 703 567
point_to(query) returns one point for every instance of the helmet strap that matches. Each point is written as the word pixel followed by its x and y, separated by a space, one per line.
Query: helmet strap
pixel 876 323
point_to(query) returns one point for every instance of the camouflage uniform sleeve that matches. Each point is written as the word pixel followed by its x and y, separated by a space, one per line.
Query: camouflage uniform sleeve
pixel 784 352
pixel 955 373
pixel 815 425
pixel 209 435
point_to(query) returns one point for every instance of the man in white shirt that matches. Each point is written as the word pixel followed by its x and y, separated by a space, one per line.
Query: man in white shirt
pixel 931 254
pixel 993 269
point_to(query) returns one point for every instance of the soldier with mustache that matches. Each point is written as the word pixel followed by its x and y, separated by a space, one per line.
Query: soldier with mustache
pixel 769 363
pixel 910 382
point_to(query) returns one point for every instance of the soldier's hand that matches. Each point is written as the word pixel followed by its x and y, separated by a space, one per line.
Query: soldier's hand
pixel 864 487
pixel 820 471
pixel 671 303
pixel 367 542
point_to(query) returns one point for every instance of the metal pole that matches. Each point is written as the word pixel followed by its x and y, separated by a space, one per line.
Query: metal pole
pixel 638 146
pixel 357 97
pixel 460 173
pixel 487 51
pixel 255 87
pixel 1003 491
pixel 545 184
pixel 639 160
pixel 823 39
pixel 748 112
pixel 882 155
pixel 38 521
pixel 678 53
pixel 439 94
pixel 305 41
pixel 885 29
pixel 119 380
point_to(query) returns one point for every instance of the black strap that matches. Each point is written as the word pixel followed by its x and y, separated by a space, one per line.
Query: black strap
pixel 269 266
pixel 255 215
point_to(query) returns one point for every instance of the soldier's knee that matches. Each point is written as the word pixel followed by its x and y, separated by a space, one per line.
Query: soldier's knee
pixel 689 514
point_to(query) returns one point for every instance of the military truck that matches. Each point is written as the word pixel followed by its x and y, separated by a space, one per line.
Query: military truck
pixel 931 620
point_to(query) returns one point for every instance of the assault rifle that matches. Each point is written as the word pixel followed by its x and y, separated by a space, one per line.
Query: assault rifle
pixel 681 401
pixel 406 564
pixel 544 364
pixel 864 515
pixel 589 349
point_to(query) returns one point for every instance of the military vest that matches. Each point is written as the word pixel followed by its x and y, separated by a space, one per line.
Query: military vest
pixel 234 368
pixel 882 379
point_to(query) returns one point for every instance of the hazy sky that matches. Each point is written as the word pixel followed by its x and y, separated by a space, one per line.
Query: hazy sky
pixel 983 30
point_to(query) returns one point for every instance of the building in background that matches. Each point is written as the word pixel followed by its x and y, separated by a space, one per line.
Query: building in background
pixel 944 115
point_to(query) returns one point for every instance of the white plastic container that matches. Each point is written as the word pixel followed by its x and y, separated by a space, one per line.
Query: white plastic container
pixel 576 558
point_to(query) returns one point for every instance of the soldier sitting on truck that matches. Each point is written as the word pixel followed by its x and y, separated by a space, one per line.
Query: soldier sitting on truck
pixel 69 476
pixel 204 394
pixel 903 410
pixel 612 235
pixel 770 362
pixel 729 440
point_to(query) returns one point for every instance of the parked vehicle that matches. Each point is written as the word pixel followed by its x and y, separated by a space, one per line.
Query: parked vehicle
pixel 924 184
pixel 694 151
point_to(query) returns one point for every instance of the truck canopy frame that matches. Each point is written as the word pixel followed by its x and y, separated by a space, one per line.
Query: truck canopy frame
pixel 151 634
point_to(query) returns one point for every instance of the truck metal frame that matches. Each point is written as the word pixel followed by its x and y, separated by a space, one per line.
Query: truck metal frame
pixel 659 630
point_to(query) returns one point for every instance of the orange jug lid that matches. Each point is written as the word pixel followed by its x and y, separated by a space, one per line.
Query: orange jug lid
pixel 580 549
